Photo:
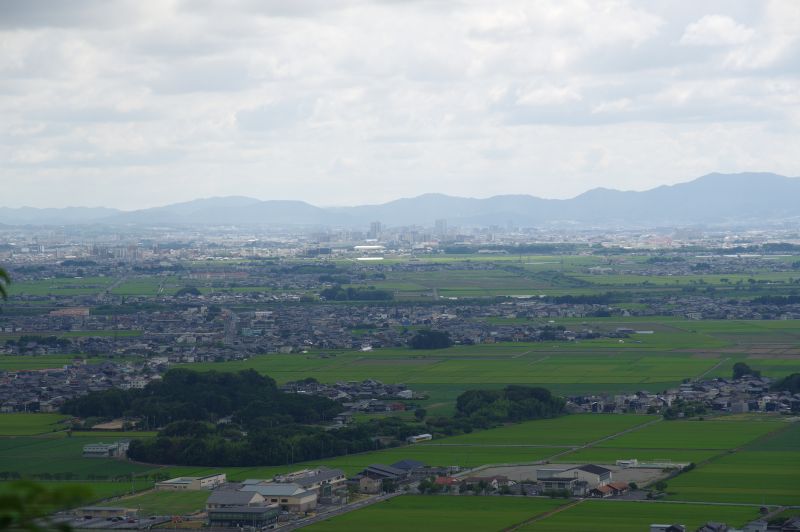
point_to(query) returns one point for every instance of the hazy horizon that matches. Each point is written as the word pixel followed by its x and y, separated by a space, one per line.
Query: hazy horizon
pixel 132 104
pixel 334 206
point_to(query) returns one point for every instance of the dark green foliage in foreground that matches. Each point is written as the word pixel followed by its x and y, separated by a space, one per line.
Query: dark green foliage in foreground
pixel 740 369
pixel 427 339
pixel 26 505
pixel 247 397
pixel 790 384
pixel 485 408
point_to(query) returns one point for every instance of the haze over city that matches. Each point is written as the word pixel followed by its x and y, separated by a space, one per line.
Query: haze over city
pixel 135 104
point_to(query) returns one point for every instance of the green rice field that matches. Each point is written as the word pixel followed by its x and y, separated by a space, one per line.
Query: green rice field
pixel 164 502
pixel 620 516
pixel 30 424
pixel 423 514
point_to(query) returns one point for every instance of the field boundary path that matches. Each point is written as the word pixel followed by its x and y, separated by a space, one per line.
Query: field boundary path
pixel 606 438
pixel 117 282
pixel 545 515
pixel 709 370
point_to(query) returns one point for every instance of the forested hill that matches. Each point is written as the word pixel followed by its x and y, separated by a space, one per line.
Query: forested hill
pixel 242 419
pixel 247 397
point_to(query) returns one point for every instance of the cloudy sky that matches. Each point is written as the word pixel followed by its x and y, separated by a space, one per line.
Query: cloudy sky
pixel 140 103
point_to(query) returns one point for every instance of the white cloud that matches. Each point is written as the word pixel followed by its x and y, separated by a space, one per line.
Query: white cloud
pixel 347 101
pixel 716 30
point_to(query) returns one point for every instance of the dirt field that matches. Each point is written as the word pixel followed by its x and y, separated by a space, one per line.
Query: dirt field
pixel 640 475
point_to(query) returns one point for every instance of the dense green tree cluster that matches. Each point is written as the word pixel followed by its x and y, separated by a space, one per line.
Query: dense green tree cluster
pixel 740 369
pixel 246 397
pixel 685 409
pixel 266 441
pixel 203 444
pixel 188 291
pixel 337 293
pixel 428 339
pixel 585 299
pixel 790 383
pixel 485 408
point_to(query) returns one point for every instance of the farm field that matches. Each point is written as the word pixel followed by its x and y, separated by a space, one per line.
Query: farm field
pixel 422 514
pixel 61 286
pixel 30 424
pixel 709 435
pixel 61 457
pixel 99 489
pixel 761 477
pixel 603 455
pixel 14 363
pixel 164 502
pixel 677 349
pixel 570 430
pixel 622 516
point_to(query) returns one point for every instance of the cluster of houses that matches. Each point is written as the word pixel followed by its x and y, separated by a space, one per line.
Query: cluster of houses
pixel 747 394
pixel 350 391
pixel 45 390
pixel 368 396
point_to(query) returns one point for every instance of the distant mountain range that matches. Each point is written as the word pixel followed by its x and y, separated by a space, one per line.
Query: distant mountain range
pixel 712 199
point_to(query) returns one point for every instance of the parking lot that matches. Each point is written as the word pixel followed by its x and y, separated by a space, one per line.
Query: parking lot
pixel 112 523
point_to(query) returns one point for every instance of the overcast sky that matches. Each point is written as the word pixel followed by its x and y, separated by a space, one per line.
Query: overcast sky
pixel 142 103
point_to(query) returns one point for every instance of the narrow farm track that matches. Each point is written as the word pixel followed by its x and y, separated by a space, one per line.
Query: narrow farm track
pixel 605 438
pixel 709 370
pixel 544 515
pixel 115 284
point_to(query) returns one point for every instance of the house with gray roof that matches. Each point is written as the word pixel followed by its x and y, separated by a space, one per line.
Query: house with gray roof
pixel 225 498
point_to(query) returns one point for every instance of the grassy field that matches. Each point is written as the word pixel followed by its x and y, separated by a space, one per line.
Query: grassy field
pixel 618 516
pixel 14 363
pixel 748 477
pixel 601 455
pixel 763 472
pixel 564 431
pixel 99 489
pixel 61 287
pixel 164 502
pixel 30 424
pixel 709 435
pixel 423 514
pixel 61 456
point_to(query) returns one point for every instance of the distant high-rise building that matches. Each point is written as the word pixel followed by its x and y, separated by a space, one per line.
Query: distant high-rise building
pixel 440 227
pixel 375 230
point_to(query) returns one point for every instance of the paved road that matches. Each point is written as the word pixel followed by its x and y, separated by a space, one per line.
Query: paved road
pixel 340 510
